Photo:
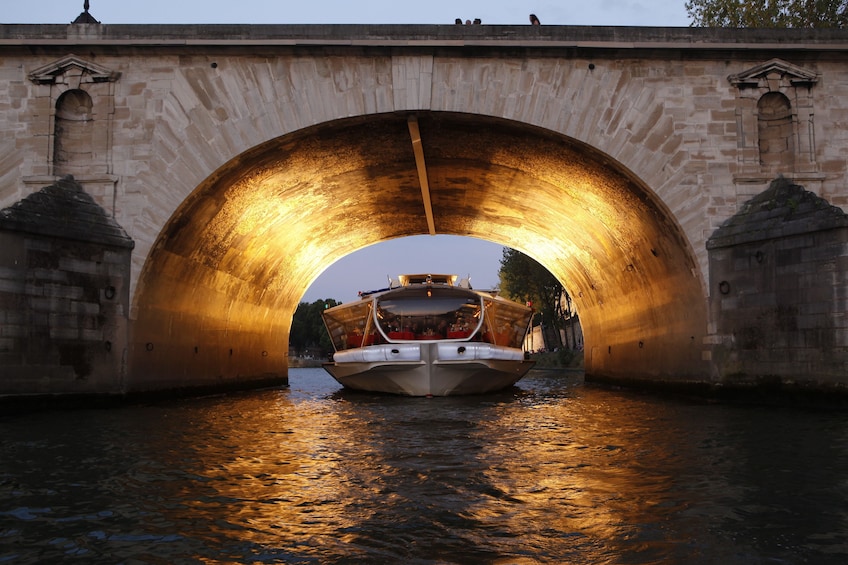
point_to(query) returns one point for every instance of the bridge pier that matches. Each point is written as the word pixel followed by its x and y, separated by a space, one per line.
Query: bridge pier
pixel 778 304
pixel 779 292
pixel 64 295
pixel 64 308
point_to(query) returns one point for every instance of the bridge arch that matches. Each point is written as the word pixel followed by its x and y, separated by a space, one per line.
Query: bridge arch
pixel 215 296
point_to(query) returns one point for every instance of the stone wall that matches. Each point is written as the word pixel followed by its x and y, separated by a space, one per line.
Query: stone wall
pixel 64 295
pixel 779 291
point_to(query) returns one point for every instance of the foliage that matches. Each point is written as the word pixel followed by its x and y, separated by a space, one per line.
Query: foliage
pixel 768 13
pixel 523 279
pixel 307 329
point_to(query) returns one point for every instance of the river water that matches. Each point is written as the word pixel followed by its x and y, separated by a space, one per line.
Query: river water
pixel 551 471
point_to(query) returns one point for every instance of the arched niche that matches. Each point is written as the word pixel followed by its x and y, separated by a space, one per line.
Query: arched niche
pixel 775 131
pixel 73 151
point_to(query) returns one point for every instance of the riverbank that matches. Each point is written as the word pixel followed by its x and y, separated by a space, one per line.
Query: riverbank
pixel 562 359
pixel 304 363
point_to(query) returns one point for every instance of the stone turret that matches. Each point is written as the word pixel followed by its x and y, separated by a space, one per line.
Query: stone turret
pixel 64 294
pixel 779 289
pixel 85 17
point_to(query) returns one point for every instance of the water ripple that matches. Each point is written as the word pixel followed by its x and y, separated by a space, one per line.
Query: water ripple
pixel 550 471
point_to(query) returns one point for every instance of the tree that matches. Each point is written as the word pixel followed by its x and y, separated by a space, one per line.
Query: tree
pixel 768 13
pixel 308 330
pixel 523 279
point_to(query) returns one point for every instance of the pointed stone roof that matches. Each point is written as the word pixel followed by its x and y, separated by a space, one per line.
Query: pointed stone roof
pixel 72 64
pixel 85 17
pixel 753 77
pixel 783 209
pixel 64 210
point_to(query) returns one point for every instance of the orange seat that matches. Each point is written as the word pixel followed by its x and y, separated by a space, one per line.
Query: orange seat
pixel 401 335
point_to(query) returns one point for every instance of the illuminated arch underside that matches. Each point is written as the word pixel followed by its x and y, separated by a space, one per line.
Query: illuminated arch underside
pixel 217 292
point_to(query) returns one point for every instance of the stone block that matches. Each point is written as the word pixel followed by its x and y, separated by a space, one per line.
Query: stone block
pixel 64 333
pixel 62 293
pixel 758 300
pixel 812 308
pixel 816 322
pixel 37 276
pixel 38 244
pixel 824 252
pixel 84 308
pixel 11 286
pixel 80 265
pixel 49 304
pixel 95 335
pixel 9 330
pixel 840 336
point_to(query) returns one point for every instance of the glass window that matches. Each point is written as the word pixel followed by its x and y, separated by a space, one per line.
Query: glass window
pixel 506 322
pixel 349 324
pixel 428 313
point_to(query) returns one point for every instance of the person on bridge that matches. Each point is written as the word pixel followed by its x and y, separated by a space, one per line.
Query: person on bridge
pixel 534 20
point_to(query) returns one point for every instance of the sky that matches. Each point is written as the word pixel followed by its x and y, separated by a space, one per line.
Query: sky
pixel 501 12
pixel 369 268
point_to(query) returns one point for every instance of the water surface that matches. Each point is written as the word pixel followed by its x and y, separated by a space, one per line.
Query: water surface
pixel 551 471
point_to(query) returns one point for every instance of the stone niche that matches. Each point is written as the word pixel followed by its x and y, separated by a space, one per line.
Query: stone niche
pixel 779 292
pixel 64 294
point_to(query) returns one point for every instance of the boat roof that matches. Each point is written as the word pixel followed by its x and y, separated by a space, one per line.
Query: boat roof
pixel 421 279
pixel 406 280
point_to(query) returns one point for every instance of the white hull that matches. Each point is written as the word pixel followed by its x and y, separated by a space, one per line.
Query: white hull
pixel 430 368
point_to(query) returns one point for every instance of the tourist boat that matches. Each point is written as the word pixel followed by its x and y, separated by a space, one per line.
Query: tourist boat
pixel 426 335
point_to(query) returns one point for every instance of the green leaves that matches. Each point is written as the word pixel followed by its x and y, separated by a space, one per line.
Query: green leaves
pixel 768 13
pixel 307 329
pixel 523 279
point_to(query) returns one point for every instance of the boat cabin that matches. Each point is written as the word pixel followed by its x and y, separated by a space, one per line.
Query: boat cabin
pixel 427 307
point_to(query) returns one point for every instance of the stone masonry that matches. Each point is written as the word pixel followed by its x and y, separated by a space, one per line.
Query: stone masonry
pixel 153 121
pixel 779 281
pixel 64 294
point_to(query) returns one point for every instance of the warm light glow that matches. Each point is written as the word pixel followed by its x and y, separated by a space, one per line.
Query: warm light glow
pixel 241 252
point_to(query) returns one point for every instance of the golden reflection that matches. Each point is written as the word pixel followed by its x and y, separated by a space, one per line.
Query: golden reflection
pixel 344 474
pixel 566 477
pixel 271 482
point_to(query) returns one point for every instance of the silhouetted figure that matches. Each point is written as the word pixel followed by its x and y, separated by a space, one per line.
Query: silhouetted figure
pixel 458 21
pixel 85 17
pixel 534 20
pixel 477 21
pixel 468 22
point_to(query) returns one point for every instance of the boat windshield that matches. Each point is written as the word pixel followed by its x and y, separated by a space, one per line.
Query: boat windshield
pixel 506 322
pixel 349 325
pixel 428 313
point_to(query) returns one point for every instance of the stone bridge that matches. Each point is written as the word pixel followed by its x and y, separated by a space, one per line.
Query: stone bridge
pixel 233 163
